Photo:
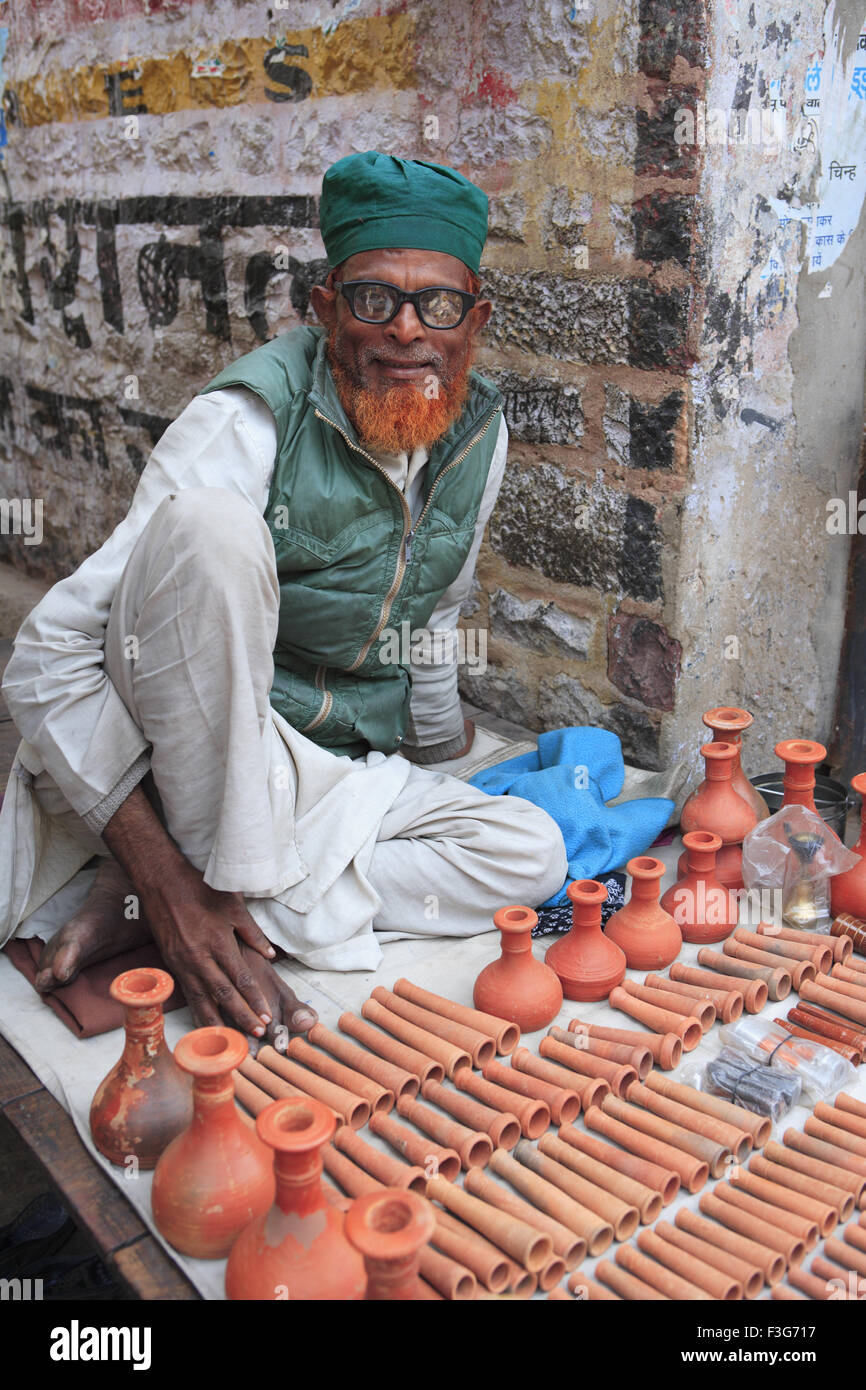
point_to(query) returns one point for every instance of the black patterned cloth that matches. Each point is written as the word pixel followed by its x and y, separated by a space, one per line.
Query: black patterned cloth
pixel 558 919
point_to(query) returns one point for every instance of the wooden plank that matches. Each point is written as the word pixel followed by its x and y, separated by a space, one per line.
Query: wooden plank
pixel 16 1078
pixel 150 1274
pixel 92 1198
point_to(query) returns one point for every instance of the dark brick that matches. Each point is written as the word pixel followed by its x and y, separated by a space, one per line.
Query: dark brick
pixel 670 29
pixel 564 702
pixel 540 410
pixel 657 152
pixel 662 228
pixel 652 432
pixel 658 325
pixel 581 320
pixel 595 537
pixel 639 569
pixel 643 660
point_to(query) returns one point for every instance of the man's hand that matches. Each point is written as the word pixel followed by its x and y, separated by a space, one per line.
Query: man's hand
pixel 195 926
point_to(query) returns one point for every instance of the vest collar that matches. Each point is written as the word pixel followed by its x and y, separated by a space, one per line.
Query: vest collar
pixel 483 398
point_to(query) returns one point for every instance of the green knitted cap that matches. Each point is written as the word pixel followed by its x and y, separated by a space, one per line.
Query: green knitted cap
pixel 372 201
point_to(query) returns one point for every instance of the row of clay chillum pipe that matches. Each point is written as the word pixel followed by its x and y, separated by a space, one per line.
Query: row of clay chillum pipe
pixel 837 1274
pixel 666 1048
pixel 827 1027
pixel 776 978
pixel 840 996
pixel 686 1027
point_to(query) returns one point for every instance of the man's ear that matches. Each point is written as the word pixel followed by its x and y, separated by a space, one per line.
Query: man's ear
pixel 324 302
pixel 480 313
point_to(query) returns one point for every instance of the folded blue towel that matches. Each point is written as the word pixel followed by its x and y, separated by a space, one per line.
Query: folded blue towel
pixel 571 775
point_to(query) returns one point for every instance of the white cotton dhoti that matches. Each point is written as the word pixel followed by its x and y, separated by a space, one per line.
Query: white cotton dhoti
pixel 332 854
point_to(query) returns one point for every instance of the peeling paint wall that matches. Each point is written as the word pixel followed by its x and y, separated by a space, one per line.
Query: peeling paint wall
pixel 778 387
pixel 679 410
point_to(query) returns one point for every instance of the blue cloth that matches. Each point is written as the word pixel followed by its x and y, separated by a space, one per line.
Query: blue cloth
pixel 571 775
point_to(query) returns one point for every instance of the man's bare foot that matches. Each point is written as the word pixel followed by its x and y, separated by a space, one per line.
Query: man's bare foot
pixel 98 930
pixel 286 1010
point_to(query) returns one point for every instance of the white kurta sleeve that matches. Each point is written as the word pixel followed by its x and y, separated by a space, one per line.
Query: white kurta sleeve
pixel 435 729
pixel 60 698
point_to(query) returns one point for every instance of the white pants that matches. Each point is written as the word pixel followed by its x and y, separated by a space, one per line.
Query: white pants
pixel 330 852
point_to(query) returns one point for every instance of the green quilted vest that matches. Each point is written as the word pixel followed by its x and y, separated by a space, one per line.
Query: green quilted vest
pixel 352 565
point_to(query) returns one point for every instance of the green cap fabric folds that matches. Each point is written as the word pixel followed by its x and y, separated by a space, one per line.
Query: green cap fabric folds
pixel 373 200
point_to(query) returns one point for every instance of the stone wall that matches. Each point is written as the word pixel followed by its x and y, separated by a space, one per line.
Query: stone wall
pixel 159 218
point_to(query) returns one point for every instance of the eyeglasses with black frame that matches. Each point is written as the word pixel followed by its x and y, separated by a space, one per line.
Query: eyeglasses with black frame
pixel 375 301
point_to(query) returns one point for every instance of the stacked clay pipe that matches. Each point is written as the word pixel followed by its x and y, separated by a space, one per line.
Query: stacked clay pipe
pixel 838 1274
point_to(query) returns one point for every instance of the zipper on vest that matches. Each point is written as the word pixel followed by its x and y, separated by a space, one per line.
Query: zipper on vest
pixel 327 702
pixel 408 532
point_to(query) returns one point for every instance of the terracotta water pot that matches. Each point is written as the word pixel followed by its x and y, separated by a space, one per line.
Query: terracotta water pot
pixel 389 1229
pixel 703 909
pixel 649 936
pixel 216 1176
pixel 297 1250
pixel 728 725
pixel 848 890
pixel 801 756
pixel 145 1101
pixel 586 961
pixel 518 987
pixel 717 807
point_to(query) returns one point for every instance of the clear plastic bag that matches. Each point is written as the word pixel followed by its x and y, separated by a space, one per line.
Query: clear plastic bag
pixel 822 1071
pixel 797 852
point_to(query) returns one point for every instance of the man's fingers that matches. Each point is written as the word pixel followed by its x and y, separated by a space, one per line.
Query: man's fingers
pixel 230 1003
pixel 204 1013
pixel 249 931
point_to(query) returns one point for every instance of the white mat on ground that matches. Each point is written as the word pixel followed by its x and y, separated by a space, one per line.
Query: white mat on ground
pixel 72 1069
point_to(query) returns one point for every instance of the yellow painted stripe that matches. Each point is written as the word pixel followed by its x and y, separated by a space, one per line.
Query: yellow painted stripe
pixel 360 55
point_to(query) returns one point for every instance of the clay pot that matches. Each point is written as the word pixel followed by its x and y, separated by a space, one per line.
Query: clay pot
pixel 518 987
pixel 702 908
pixel 801 756
pixel 145 1101
pixel 216 1176
pixel 728 726
pixel 586 961
pixel 389 1229
pixel 717 807
pixel 506 1035
pixel 298 1249
pixel 848 890
pixel 647 934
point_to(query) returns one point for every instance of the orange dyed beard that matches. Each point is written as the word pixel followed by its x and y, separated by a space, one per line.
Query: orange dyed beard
pixel 403 416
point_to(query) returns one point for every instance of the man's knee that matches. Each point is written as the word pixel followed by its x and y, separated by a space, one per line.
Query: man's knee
pixel 542 849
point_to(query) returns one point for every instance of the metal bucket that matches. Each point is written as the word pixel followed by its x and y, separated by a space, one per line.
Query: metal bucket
pixel 831 798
